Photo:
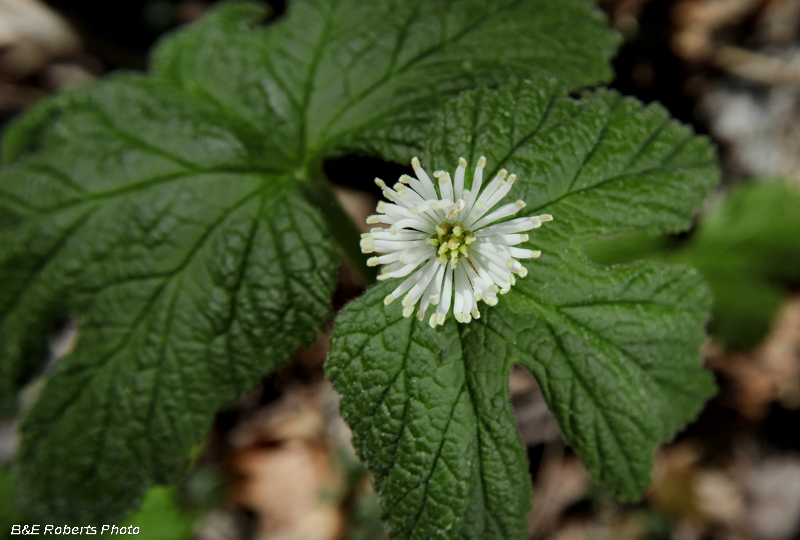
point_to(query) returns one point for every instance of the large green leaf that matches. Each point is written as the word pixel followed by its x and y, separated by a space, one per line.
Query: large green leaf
pixel 195 269
pixel 603 165
pixel 616 351
pixel 166 213
pixel 617 357
pixel 430 415
pixel 347 74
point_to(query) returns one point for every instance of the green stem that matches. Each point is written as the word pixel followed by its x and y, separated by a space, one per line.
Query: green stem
pixel 344 231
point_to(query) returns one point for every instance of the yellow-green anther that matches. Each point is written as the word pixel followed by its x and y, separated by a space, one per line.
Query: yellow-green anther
pixel 452 242
pixel 406 238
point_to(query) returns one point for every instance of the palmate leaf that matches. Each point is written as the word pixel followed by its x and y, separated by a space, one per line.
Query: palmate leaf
pixel 166 212
pixel 339 75
pixel 195 271
pixel 616 351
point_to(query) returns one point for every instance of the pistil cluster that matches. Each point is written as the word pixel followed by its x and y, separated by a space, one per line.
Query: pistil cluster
pixel 451 242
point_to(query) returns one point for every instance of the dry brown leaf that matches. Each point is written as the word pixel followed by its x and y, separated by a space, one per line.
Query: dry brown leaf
pixel 288 472
pixel 560 483
pixel 697 21
pixel 31 35
pixel 698 498
pixel 358 204
pixel 672 490
pixel 771 372
pixel 293 489
pixel 535 423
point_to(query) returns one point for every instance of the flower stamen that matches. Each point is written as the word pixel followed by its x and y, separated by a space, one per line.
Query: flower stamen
pixel 471 227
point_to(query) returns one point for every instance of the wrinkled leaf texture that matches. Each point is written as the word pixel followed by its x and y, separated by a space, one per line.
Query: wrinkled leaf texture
pixel 164 212
pixel 616 351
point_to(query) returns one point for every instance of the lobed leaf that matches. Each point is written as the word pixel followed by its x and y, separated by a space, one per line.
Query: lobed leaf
pixel 615 350
pixel 603 165
pixel 616 354
pixel 431 416
pixel 194 267
pixel 338 75
pixel 164 212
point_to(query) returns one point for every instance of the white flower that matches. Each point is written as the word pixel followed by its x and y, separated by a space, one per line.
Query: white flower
pixel 446 241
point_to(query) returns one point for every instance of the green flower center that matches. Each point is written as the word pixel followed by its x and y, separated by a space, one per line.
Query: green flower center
pixel 451 242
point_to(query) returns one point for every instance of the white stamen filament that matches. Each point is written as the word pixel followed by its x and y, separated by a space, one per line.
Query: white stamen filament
pixel 447 242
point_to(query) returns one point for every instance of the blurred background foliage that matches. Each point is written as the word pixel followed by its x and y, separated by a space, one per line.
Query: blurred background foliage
pixel 279 465
pixel 747 246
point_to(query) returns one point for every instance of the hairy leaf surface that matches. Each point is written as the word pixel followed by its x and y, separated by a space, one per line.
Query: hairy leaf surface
pixel 340 75
pixel 616 351
pixel 195 269
pixel 164 212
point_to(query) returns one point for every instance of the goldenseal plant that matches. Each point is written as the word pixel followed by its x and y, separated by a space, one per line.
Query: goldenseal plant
pixel 616 351
pixel 430 231
pixel 183 218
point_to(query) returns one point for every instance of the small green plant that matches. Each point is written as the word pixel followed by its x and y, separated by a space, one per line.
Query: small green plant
pixel 182 217
pixel 747 248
